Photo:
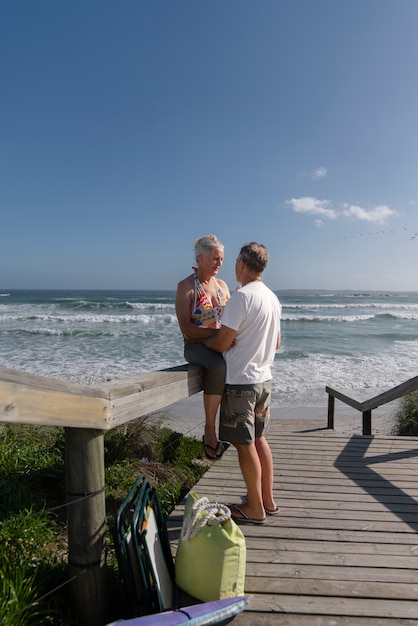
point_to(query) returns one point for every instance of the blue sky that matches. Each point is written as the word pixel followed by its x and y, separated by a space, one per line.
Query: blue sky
pixel 129 128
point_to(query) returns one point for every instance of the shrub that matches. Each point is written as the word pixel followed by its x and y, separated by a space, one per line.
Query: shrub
pixel 407 415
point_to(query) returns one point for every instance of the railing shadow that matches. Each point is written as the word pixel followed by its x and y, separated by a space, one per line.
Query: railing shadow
pixel 378 487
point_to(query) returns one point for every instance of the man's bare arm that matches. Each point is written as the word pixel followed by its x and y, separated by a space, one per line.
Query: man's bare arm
pixel 222 340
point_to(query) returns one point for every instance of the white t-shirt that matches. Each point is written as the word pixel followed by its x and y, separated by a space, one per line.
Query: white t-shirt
pixel 254 311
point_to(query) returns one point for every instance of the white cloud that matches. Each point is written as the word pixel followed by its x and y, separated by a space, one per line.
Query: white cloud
pixel 322 208
pixel 313 206
pixel 378 215
pixel 319 173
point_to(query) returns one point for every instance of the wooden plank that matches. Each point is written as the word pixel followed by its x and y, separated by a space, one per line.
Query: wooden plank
pixel 42 383
pixel 309 533
pixel 156 392
pixel 347 545
pixel 363 477
pixel 325 493
pixel 346 558
pixel 297 521
pixel 311 605
pixel 42 401
pixel 147 381
pixel 251 618
pixel 365 483
pixel 310 586
pixel 360 470
pixel 340 459
pixel 363 507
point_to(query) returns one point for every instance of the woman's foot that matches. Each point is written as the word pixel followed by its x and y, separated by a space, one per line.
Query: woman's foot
pixel 212 452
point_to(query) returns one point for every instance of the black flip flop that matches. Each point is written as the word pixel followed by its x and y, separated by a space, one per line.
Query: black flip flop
pixel 218 447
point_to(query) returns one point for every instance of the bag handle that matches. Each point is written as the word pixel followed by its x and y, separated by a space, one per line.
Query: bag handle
pixel 213 513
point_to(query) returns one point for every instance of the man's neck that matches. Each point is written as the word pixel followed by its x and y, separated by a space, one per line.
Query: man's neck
pixel 250 278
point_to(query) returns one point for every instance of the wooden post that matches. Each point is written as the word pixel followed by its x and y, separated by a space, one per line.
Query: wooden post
pixel 331 409
pixel 367 423
pixel 86 510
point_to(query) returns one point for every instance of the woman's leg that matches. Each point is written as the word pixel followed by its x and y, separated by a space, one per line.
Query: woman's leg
pixel 214 364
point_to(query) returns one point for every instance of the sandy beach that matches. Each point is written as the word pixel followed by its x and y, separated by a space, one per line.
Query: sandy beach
pixel 188 417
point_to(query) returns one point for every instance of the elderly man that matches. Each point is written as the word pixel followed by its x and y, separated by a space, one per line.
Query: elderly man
pixel 249 337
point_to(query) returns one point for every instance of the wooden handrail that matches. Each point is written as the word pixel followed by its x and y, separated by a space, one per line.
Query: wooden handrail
pixel 86 412
pixel 366 406
pixel 31 399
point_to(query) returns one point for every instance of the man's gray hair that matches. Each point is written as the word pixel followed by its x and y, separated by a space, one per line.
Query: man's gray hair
pixel 255 256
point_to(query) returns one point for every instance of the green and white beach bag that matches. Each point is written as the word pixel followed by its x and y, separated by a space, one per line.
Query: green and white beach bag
pixel 211 555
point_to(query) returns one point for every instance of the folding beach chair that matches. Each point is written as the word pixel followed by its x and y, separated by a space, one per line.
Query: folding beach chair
pixel 143 551
pixel 146 568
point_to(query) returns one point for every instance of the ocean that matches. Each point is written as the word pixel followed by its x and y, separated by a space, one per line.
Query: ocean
pixel 362 342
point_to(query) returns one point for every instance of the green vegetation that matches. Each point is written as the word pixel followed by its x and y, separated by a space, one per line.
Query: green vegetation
pixel 407 415
pixel 33 542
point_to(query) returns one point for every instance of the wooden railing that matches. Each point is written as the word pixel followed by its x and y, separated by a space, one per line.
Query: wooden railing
pixel 366 406
pixel 86 412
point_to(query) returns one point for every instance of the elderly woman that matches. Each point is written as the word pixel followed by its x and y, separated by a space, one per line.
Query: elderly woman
pixel 200 301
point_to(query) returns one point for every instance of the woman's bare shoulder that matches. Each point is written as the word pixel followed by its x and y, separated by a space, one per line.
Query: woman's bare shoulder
pixel 222 284
pixel 186 284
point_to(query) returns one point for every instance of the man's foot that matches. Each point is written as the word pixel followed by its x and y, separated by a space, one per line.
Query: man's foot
pixel 241 517
pixel 273 511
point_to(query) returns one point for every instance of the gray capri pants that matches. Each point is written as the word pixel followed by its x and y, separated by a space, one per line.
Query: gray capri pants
pixel 212 361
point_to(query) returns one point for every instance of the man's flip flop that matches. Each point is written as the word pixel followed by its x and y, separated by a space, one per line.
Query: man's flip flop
pixel 275 512
pixel 243 518
pixel 214 450
pixel 244 500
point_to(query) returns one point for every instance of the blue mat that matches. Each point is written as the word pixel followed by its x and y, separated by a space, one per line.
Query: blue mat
pixel 203 614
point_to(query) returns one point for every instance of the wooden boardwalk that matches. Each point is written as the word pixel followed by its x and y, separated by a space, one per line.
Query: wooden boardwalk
pixel 344 550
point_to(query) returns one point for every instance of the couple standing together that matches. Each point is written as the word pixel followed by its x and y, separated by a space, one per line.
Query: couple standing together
pixel 234 337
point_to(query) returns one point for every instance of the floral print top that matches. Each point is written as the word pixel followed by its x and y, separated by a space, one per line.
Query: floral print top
pixel 204 314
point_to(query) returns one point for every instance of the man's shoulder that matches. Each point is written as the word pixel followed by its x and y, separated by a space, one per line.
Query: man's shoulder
pixel 262 288
pixel 271 299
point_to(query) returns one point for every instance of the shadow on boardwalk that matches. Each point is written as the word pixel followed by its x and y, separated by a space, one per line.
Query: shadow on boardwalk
pixel 373 481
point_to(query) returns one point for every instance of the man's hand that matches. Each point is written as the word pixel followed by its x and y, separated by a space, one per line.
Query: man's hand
pixel 223 340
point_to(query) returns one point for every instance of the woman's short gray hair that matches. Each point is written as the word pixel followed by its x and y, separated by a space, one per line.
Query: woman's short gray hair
pixel 206 244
